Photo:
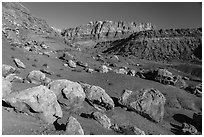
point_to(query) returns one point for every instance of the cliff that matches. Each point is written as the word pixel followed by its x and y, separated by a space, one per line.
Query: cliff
pixel 169 44
pixel 104 30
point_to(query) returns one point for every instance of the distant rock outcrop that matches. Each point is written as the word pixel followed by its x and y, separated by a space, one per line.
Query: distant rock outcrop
pixel 168 45
pixel 104 30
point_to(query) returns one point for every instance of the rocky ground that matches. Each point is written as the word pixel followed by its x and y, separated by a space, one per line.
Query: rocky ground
pixel 60 84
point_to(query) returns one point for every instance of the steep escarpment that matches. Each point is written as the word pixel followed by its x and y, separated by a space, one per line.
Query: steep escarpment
pixel 170 44
pixel 19 25
pixel 104 30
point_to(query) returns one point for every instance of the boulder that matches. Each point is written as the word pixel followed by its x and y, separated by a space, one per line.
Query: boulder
pixel 127 130
pixel 147 102
pixel 104 69
pixel 69 93
pixel 6 87
pixel 89 70
pixel 198 90
pixel 39 99
pixel 121 71
pixel 14 78
pixel 189 129
pixel 47 71
pixel 7 69
pixel 102 119
pixel 165 77
pixel 19 63
pixel 36 77
pixel 80 63
pixel 72 64
pixel 131 72
pixel 97 96
pixel 73 127
pixel 180 83
pixel 67 56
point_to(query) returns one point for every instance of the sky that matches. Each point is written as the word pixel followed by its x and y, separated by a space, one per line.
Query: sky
pixel 162 15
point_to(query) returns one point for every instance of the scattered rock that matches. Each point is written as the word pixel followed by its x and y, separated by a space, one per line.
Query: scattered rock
pixel 47 71
pixel 104 69
pixel 79 63
pixel 72 64
pixel 19 63
pixel 14 78
pixel 102 119
pixel 6 87
pixel 89 70
pixel 189 129
pixel 186 78
pixel 69 93
pixel 198 90
pixel 65 65
pixel 36 77
pixel 165 77
pixel 67 56
pixel 40 99
pixel 180 83
pixel 7 69
pixel 121 71
pixel 113 65
pixel 98 97
pixel 127 130
pixel 47 81
pixel 115 57
pixel 73 127
pixel 131 72
pixel 147 102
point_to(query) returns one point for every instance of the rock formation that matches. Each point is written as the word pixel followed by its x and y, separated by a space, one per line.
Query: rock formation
pixel 104 30
pixel 165 45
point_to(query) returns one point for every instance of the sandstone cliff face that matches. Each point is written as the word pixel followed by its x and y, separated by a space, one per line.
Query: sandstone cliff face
pixel 104 30
pixel 170 44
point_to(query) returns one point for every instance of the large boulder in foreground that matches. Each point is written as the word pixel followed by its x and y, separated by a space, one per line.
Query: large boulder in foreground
pixel 102 119
pixel 7 69
pixel 19 63
pixel 6 87
pixel 73 127
pixel 147 102
pixel 98 97
pixel 69 93
pixel 39 99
